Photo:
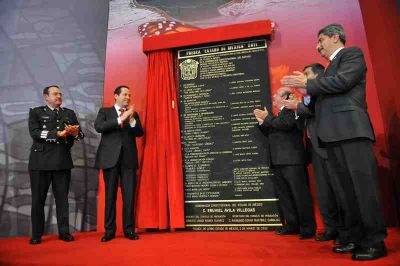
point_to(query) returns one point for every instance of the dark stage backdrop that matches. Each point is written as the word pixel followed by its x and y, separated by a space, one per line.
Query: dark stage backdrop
pixel 42 43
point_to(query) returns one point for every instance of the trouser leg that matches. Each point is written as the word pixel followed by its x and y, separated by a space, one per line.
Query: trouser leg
pixel 297 178
pixel 40 182
pixel 327 203
pixel 60 184
pixel 360 164
pixel 286 202
pixel 128 189
pixel 110 177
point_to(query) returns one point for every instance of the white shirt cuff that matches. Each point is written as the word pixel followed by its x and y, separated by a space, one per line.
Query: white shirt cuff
pixel 133 124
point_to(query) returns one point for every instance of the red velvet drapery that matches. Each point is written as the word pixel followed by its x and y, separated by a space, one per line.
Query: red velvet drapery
pixel 160 201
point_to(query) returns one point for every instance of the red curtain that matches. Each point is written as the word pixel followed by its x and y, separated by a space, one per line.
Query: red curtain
pixel 160 200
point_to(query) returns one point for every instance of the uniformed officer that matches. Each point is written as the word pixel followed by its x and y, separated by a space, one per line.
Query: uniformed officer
pixel 53 130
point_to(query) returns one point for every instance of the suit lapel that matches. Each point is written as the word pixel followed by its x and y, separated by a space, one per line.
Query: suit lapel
pixel 113 113
pixel 333 64
pixel 331 69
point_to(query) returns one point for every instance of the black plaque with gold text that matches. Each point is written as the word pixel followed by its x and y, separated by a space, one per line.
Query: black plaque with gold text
pixel 227 178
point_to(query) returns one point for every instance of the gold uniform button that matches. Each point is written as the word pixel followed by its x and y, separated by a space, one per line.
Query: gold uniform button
pixel 58 127
pixel 58 120
pixel 35 150
pixel 58 142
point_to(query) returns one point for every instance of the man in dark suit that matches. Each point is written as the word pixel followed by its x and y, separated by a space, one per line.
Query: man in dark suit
pixel 117 157
pixel 53 130
pixel 289 163
pixel 344 127
pixel 328 206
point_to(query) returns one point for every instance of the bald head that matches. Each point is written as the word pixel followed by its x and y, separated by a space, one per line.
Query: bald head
pixel 281 94
pixel 284 90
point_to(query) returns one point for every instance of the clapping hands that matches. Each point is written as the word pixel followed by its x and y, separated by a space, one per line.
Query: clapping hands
pixel 69 130
pixel 261 114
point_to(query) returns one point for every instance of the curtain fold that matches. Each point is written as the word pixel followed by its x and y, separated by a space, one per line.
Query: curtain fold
pixel 160 200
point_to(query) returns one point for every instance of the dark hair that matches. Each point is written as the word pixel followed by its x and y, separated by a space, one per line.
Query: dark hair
pixel 333 29
pixel 117 90
pixel 316 68
pixel 46 90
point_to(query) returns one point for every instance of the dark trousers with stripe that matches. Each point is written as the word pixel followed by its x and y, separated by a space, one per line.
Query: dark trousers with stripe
pixel 40 183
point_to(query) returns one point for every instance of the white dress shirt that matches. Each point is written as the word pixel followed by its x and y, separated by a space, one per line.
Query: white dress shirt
pixel 132 124
pixel 335 53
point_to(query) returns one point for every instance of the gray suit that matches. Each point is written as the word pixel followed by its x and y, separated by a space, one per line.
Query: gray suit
pixel 344 127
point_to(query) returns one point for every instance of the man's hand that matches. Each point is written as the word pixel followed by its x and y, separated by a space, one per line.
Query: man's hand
pixel 291 103
pixel 302 91
pixel 260 114
pixel 132 109
pixel 72 130
pixel 128 113
pixel 62 134
pixel 297 80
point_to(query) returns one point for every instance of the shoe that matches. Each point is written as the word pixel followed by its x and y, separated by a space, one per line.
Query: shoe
pixel 325 237
pixel 66 237
pixel 348 248
pixel 107 238
pixel 286 231
pixel 35 241
pixel 338 242
pixel 306 236
pixel 369 253
pixel 131 236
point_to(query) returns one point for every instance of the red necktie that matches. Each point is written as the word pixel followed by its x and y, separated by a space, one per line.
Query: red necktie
pixel 122 110
pixel 327 66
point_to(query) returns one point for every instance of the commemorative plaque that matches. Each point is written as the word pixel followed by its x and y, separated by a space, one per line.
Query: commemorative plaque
pixel 225 156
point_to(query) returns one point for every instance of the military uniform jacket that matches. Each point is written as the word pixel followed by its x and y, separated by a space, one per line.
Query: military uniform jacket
pixel 48 151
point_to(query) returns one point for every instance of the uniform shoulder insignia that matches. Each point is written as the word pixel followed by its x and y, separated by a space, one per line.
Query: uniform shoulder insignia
pixel 35 107
pixel 67 109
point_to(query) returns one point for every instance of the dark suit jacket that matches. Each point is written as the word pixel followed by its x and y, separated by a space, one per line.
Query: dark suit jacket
pixel 309 122
pixel 341 108
pixel 48 151
pixel 285 138
pixel 114 138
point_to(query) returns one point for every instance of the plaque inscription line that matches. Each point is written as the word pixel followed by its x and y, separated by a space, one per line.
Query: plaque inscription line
pixel 210 225
pixel 263 46
pixel 241 200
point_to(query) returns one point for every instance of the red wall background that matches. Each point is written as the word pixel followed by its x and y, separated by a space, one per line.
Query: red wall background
pixel 369 24
pixel 382 27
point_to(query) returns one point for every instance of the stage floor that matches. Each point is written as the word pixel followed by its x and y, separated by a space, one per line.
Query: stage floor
pixel 186 248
